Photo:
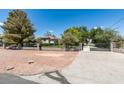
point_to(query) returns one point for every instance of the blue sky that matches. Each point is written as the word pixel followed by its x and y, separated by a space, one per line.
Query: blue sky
pixel 57 20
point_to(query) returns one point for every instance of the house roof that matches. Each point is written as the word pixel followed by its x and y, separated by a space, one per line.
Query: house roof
pixel 49 37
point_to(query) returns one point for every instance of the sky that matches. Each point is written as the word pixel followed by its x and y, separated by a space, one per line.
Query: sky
pixel 58 20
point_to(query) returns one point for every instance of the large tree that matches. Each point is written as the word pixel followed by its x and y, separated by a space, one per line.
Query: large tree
pixel 74 31
pixel 84 33
pixel 80 32
pixel 68 39
pixel 96 32
pixel 17 28
pixel 103 37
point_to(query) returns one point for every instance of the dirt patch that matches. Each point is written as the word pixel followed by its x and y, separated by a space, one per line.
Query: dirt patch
pixel 51 54
pixel 43 61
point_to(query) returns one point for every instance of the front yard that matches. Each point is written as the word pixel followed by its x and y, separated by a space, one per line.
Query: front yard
pixel 28 62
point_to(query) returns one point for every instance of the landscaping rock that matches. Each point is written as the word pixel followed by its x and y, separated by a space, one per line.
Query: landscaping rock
pixel 10 68
pixel 30 61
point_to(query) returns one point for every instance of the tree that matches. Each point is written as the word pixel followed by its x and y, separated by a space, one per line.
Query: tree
pixel 74 31
pixel 17 28
pixel 102 37
pixel 30 41
pixel 96 32
pixel 84 33
pixel 80 32
pixel 69 39
pixel 0 37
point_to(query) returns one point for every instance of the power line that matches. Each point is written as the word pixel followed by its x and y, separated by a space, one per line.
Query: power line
pixel 117 22
pixel 116 28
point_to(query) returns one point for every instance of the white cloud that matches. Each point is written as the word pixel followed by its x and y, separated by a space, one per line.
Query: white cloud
pixel 95 27
pixel 51 31
pixel 1 24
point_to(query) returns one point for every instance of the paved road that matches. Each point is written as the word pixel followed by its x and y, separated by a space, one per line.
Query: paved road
pixel 12 79
pixel 89 68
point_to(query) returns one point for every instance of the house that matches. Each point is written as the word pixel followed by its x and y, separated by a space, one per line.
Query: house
pixel 49 40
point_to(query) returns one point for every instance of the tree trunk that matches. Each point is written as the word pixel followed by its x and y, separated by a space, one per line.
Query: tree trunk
pixel 20 46
pixel 67 47
pixel 40 48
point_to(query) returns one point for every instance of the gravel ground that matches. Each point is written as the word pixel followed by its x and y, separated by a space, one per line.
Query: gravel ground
pixel 17 61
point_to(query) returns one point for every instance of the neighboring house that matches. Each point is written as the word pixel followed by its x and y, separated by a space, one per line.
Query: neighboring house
pixel 49 40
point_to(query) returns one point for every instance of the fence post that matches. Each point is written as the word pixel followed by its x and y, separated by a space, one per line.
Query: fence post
pixel 111 46
pixel 64 47
pixel 37 46
pixel 4 46
pixel 81 47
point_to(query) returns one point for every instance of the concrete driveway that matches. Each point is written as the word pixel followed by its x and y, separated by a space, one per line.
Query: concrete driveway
pixel 96 68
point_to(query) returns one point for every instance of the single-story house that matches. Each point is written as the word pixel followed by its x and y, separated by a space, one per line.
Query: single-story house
pixel 49 40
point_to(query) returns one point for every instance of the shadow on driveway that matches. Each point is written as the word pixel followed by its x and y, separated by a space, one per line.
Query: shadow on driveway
pixel 12 79
pixel 60 78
